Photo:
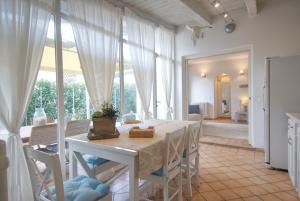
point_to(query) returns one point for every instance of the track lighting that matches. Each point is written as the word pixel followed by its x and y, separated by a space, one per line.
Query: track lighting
pixel 225 15
pixel 216 4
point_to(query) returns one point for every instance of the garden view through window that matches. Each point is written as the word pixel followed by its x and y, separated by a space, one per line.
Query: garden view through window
pixel 76 99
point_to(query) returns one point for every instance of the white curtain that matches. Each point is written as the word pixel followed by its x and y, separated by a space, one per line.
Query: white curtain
pixel 164 45
pixel 23 31
pixel 96 27
pixel 141 38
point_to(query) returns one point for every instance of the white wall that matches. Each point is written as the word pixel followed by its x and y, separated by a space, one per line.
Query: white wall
pixel 202 89
pixel 274 32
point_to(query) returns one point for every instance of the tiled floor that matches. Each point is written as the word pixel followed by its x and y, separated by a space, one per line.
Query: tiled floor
pixel 226 120
pixel 225 129
pixel 214 140
pixel 228 173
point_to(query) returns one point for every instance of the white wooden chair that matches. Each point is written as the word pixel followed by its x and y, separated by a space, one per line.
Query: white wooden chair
pixel 190 162
pixel 3 172
pixel 43 135
pixel 75 189
pixel 92 165
pixel 77 127
pixel 171 169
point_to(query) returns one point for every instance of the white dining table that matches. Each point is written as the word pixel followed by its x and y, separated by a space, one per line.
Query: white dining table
pixel 142 155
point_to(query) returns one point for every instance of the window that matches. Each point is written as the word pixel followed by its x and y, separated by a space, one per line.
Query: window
pixel 132 102
pixel 115 98
pixel 164 49
pixel 43 101
pixel 161 99
pixel 76 99
pixel 130 90
pixel 131 97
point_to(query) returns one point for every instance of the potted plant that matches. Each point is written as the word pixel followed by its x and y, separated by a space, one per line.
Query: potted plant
pixel 104 123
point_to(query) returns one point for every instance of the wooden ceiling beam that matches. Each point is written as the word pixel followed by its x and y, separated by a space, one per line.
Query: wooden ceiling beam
pixel 251 7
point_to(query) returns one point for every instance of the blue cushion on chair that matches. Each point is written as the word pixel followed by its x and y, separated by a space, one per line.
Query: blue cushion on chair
pixel 94 160
pixel 158 172
pixel 81 188
pixel 54 147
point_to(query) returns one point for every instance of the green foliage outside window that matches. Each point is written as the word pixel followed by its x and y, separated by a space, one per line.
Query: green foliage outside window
pixel 130 94
pixel 44 95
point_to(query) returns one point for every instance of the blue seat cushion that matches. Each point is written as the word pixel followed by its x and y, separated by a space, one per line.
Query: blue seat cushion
pixel 54 147
pixel 81 188
pixel 158 172
pixel 94 160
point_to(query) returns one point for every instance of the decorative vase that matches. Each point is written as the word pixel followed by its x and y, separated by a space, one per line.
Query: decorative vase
pixel 103 128
pixel 39 117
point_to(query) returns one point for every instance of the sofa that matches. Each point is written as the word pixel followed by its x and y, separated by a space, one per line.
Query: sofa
pixel 197 112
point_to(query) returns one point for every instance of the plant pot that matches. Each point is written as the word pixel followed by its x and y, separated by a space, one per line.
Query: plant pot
pixel 104 128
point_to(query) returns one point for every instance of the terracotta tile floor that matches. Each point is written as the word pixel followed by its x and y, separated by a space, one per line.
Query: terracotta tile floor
pixel 214 140
pixel 228 173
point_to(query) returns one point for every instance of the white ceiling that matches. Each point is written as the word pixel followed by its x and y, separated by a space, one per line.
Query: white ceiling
pixel 227 5
pixel 223 57
pixel 184 12
pixel 169 11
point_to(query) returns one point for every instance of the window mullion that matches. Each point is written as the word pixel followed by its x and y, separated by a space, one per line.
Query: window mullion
pixel 121 70
pixel 59 86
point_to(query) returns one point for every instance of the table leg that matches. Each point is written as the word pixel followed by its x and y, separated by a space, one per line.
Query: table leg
pixel 73 163
pixel 133 179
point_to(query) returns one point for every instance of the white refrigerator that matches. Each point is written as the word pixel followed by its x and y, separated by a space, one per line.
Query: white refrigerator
pixel 281 96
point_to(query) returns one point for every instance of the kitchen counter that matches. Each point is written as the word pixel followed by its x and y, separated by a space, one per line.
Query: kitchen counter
pixel 294 116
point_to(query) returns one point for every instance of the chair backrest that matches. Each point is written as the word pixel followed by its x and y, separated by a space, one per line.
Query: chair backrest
pixel 192 138
pixel 174 144
pixel 3 176
pixel 43 135
pixel 77 127
pixel 39 180
pixel 131 117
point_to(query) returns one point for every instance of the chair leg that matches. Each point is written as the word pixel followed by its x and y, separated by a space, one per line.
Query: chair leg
pixel 166 189
pixel 197 164
pixel 188 177
pixel 180 186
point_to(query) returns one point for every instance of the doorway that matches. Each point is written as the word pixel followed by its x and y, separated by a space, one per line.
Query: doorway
pixel 221 82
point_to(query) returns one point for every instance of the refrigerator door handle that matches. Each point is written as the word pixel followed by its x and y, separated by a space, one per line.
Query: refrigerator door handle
pixel 264 98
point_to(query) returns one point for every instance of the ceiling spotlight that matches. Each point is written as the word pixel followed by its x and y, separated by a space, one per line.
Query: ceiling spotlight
pixel 225 15
pixel 216 4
